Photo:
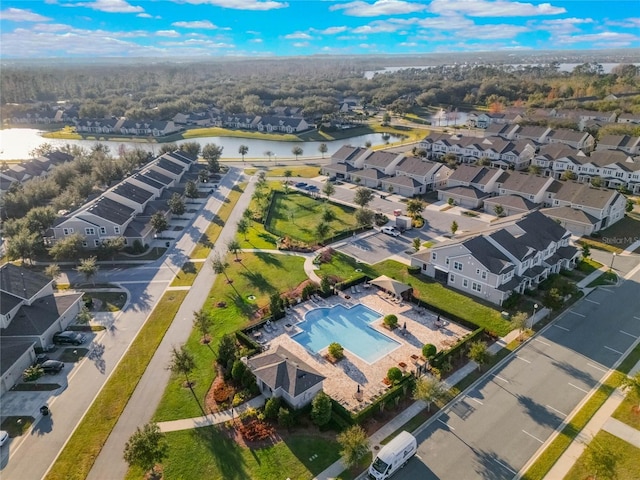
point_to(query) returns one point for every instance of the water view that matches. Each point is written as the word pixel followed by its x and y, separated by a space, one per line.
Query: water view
pixel 16 143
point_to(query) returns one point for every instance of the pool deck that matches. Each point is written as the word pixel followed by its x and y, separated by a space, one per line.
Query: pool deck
pixel 343 378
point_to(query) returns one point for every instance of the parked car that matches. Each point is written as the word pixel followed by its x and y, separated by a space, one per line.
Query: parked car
pixel 41 358
pixel 52 366
pixel 391 231
pixel 68 338
pixel 4 437
pixel 300 185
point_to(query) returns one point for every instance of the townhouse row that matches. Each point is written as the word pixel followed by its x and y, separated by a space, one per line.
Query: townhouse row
pixel 514 255
pixel 38 167
pixel 125 210
pixel 578 207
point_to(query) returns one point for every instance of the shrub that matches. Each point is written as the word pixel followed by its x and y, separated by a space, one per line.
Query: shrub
pixel 222 392
pixel 286 419
pixel 413 270
pixel 391 321
pixel 394 375
pixel 321 409
pixel 308 290
pixel 271 408
pixel 336 351
pixel 429 350
pixel 32 373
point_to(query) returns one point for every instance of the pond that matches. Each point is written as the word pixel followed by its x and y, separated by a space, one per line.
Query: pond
pixel 16 143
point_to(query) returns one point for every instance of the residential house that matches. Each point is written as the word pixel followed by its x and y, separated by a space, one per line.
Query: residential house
pixel 626 143
pixel 415 176
pixel 532 132
pixel 282 375
pixel 602 207
pixel 514 256
pixel 548 154
pixel 344 161
pixel 507 205
pixel 30 314
pixel 525 185
pixel 282 124
pixel 469 185
pixel 579 140
pixel 615 168
pixel 628 118
pixel 96 125
pixel 504 130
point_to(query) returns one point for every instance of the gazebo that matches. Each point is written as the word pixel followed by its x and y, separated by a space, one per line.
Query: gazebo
pixel 390 285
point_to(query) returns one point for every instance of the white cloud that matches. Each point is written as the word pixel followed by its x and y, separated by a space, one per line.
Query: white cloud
pixel 20 15
pixel 298 36
pixel 492 31
pixel 633 22
pixel 301 44
pixel 146 15
pixel 201 24
pixel 378 26
pixel 378 8
pixel 51 27
pixel 453 22
pixel 497 8
pixel 167 33
pixel 331 30
pixel 602 38
pixel 109 6
pixel 241 4
pixel 253 32
pixel 256 40
pixel 408 44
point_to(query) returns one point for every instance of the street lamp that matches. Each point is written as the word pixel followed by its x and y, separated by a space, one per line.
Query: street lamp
pixel 155 241
pixel 533 319
pixel 613 257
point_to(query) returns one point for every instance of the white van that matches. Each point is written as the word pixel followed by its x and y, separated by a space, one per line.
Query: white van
pixel 393 456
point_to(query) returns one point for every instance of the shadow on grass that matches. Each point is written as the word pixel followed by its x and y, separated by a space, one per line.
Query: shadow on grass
pixel 225 452
pixel 259 281
pixel 269 259
pixel 247 309
pixel 315 452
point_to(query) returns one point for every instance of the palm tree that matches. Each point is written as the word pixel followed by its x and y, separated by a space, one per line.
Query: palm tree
pixel 242 150
pixel 322 230
pixel 234 247
pixel 243 227
pixel 287 174
pixel 88 268
pixel 220 266
pixel 269 154
pixel 415 207
pixel 328 215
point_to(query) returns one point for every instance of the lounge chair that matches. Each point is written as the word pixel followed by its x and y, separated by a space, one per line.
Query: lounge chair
pixel 267 328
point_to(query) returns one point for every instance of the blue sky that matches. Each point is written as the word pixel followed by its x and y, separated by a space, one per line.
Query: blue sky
pixel 246 28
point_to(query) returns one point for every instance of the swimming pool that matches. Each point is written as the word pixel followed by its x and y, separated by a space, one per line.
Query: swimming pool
pixel 347 326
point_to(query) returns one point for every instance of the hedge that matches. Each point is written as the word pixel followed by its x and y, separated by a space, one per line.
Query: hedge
pixel 443 355
pixel 407 382
pixel 440 311
pixel 357 279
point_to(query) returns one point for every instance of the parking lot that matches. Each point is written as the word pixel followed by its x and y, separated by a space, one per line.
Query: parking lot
pixel 373 247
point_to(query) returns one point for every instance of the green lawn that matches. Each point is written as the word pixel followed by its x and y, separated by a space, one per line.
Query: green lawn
pixel 607 278
pixel 109 301
pixel 625 463
pixel 257 237
pixel 187 274
pixel 226 132
pixel 626 413
pixel 449 300
pixel 84 445
pixel 297 172
pixel 298 215
pixel 344 267
pixel 588 265
pixel 208 453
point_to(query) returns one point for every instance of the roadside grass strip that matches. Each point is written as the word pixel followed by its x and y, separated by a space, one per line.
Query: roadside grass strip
pixel 211 234
pixel 83 447
pixel 621 458
pixel 187 274
pixel 543 464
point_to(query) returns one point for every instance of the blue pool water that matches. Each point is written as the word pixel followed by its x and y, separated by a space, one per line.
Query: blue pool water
pixel 347 326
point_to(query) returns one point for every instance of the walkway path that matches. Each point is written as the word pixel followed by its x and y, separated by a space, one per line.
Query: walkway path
pixel 309 267
pixel 146 398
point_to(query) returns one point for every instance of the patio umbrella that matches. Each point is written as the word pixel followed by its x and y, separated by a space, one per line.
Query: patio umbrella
pixel 390 285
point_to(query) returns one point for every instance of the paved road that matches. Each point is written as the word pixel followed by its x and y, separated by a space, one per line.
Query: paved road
pixel 30 457
pixel 501 422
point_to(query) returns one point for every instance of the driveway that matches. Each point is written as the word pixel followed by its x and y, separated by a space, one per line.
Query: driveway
pixel 499 423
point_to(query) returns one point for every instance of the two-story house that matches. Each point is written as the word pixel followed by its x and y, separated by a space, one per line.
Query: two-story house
pixel 583 209
pixel 30 314
pixel 376 166
pixel 626 143
pixel 415 176
pixel 579 140
pixel 343 162
pixel 469 185
pixel 515 256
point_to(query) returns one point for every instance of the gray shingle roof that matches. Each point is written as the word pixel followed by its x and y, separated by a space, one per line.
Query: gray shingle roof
pixel 467 192
pixel 114 212
pixel 8 302
pixel 540 230
pixel 157 176
pixel 415 166
pixel 133 192
pixel 570 214
pixel 147 180
pixel 347 153
pixel 169 166
pixel 513 201
pixel 512 245
pixel 11 349
pixel 525 183
pixel 585 195
pixel 37 318
pixel 282 369
pixel 21 282
pixel 488 255
pixel 380 159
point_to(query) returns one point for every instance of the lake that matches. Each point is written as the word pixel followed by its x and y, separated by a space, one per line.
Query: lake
pixel 16 143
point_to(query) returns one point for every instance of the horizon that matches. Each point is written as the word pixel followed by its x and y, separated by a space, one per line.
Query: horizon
pixel 237 29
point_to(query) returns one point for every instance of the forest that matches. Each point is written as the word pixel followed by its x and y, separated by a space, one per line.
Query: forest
pixel 159 91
